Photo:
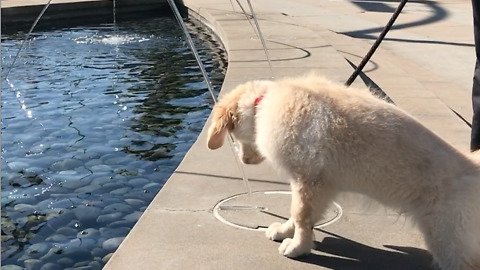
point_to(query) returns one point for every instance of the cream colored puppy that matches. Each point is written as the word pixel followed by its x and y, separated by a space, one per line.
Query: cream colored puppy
pixel 329 138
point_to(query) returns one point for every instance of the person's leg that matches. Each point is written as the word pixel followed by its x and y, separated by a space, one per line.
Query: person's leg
pixel 475 136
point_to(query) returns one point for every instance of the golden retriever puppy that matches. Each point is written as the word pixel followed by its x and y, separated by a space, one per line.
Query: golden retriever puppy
pixel 328 138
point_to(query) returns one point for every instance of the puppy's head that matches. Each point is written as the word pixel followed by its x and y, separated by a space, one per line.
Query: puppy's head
pixel 235 113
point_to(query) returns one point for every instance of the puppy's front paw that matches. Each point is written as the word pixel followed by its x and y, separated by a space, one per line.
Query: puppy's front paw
pixel 278 231
pixel 273 232
pixel 293 248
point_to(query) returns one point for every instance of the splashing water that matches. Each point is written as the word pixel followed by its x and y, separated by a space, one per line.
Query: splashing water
pixel 115 39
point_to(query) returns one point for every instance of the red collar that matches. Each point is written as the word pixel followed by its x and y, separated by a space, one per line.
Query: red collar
pixel 257 100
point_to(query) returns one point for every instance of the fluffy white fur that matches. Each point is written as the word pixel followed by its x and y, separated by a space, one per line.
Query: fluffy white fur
pixel 329 138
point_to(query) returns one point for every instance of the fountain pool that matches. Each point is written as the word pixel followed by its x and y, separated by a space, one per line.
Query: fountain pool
pixel 94 121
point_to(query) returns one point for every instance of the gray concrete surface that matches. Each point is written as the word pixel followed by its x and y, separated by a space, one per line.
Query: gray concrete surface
pixel 425 66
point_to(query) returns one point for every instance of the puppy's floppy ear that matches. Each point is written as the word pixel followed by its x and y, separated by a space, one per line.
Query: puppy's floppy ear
pixel 222 121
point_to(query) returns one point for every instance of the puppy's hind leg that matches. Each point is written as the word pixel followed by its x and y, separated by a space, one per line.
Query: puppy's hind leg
pixel 308 204
pixel 451 235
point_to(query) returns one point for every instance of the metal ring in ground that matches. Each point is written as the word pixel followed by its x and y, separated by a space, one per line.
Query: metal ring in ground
pixel 216 209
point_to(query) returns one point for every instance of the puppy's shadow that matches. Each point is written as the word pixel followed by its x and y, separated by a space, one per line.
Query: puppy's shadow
pixel 336 252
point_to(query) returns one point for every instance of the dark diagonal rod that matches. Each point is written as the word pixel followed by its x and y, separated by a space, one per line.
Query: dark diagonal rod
pixel 376 44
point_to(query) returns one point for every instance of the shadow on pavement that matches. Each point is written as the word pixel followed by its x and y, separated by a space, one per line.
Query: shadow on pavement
pixel 337 252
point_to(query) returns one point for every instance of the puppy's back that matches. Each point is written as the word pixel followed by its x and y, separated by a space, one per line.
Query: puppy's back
pixel 314 127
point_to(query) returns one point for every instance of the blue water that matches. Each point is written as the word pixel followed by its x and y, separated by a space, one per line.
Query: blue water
pixel 94 121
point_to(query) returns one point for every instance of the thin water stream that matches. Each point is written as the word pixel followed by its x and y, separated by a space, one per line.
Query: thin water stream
pixel 231 141
pixel 27 36
pixel 262 39
pixel 257 31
